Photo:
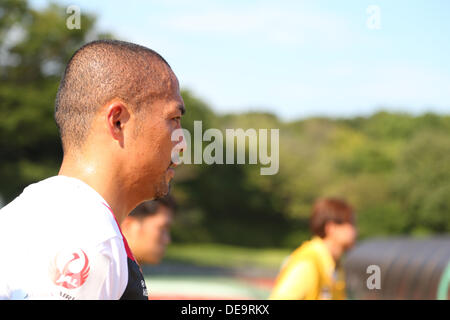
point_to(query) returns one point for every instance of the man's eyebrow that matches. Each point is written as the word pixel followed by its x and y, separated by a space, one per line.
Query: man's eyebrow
pixel 182 109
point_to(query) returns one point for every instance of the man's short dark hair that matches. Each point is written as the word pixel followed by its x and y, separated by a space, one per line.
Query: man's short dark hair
pixel 151 207
pixel 97 73
pixel 330 210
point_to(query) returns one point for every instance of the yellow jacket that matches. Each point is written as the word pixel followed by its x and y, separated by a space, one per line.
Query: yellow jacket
pixel 309 273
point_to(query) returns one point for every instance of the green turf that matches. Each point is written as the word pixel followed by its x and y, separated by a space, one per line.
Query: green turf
pixel 218 255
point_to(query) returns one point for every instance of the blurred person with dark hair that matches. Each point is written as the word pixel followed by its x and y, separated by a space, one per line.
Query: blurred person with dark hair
pixel 147 229
pixel 311 271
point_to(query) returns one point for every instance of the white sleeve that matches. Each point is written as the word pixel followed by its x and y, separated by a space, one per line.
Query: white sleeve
pixel 91 273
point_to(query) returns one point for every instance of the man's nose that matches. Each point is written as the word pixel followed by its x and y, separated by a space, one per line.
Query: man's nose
pixel 178 137
pixel 181 143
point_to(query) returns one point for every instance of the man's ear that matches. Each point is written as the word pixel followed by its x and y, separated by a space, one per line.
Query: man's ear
pixel 117 115
pixel 126 223
pixel 130 224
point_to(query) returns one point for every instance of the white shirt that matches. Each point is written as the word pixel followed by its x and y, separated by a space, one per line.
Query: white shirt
pixel 60 240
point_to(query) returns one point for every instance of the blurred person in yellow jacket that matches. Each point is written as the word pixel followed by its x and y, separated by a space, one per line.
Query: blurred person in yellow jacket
pixel 311 272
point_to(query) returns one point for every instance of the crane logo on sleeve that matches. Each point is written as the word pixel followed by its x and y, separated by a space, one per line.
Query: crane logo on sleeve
pixel 70 269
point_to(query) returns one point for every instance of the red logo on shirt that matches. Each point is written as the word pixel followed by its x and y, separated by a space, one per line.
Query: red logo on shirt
pixel 71 270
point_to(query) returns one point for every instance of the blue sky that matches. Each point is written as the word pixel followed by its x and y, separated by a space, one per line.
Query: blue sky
pixel 295 58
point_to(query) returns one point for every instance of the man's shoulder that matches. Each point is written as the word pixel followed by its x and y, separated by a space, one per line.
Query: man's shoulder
pixel 59 225
pixel 62 206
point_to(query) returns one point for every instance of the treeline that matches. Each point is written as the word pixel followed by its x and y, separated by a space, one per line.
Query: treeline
pixel 393 168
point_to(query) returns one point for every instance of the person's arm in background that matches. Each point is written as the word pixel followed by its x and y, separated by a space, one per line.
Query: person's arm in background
pixel 297 282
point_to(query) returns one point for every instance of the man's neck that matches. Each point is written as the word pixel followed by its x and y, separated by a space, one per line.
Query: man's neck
pixel 98 176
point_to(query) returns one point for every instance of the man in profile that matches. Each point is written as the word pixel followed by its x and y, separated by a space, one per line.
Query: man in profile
pixel 147 229
pixel 311 271
pixel 116 108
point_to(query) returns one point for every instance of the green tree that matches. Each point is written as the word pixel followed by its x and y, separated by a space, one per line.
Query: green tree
pixel 424 182
pixel 29 144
